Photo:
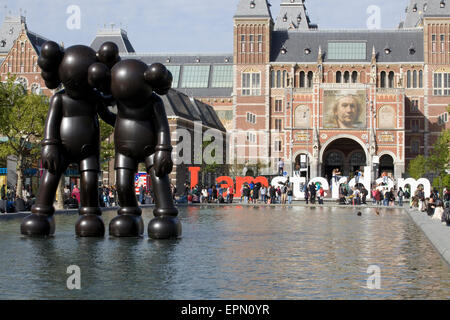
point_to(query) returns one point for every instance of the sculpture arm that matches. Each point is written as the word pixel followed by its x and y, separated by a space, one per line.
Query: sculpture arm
pixel 53 122
pixel 51 159
pixel 104 113
pixel 163 156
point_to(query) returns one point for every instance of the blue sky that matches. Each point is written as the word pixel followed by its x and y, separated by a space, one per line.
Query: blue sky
pixel 184 26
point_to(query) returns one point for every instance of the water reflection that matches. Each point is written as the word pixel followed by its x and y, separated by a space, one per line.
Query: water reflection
pixel 232 253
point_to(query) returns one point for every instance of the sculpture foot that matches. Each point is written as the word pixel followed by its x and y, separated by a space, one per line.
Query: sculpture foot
pixel 90 225
pixel 128 223
pixel 35 225
pixel 164 227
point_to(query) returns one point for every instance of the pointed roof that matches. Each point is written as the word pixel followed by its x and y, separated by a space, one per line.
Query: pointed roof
pixel 420 9
pixel 11 28
pixel 253 9
pixel 116 35
pixel 293 16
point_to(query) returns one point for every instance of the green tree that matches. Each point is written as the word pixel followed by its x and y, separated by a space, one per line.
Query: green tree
pixel 107 145
pixel 417 167
pixel 22 120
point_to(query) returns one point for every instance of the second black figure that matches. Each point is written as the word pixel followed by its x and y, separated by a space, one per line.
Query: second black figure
pixel 142 135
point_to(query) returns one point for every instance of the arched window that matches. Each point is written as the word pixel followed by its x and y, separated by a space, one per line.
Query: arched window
pixel 338 77
pixel 354 77
pixel 35 88
pixel 346 77
pixel 272 79
pixel 408 79
pixel 420 79
pixel 391 79
pixel 415 79
pixel 383 79
pixel 23 81
pixel 278 79
pixel 302 79
pixel 284 79
pixel 310 79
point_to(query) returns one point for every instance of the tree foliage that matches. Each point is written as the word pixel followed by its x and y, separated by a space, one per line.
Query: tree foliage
pixel 22 121
pixel 107 145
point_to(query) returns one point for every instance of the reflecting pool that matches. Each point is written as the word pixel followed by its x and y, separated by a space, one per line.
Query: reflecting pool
pixel 232 253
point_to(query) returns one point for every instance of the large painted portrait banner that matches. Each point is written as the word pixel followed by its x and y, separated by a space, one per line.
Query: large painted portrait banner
pixel 344 109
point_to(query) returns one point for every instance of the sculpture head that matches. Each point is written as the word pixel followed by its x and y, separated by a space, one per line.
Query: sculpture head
pixel 133 81
pixel 71 67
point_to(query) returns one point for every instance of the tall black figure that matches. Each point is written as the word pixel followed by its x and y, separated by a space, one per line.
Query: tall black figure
pixel 72 134
pixel 142 134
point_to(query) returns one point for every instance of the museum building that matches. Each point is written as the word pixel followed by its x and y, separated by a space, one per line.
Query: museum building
pixel 325 99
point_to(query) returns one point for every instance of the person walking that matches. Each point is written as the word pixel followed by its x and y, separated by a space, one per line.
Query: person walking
pixel 289 194
pixel 400 195
pixel 306 193
pixel 76 193
pixel 284 194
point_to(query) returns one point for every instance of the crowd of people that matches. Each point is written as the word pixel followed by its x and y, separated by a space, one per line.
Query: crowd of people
pixel 436 206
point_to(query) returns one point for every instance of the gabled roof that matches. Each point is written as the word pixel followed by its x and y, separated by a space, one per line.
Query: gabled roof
pixel 292 15
pixel 420 9
pixel 118 36
pixel 36 40
pixel 253 9
pixel 180 105
pixel 398 41
pixel 11 28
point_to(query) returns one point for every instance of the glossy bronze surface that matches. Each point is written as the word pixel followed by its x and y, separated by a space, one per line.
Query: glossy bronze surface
pixel 142 134
pixel 72 133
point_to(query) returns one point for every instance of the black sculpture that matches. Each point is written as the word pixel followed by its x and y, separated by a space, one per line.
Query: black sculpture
pixel 141 134
pixel 72 134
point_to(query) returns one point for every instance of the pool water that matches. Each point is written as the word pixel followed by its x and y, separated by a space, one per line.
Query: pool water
pixel 232 252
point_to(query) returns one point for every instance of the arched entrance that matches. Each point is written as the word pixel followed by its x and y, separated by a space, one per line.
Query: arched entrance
pixel 386 164
pixel 344 154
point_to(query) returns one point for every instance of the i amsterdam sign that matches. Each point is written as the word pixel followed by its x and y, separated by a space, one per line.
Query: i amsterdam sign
pixel 225 182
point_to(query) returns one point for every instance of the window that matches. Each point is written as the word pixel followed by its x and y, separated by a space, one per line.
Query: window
pixel 442 43
pixel 23 82
pixel 354 77
pixel 391 79
pixel 283 84
pixel 35 88
pixel 420 79
pixel 260 43
pixel 175 71
pixel 252 43
pixel 278 79
pixel 441 84
pixel 222 77
pixel 415 105
pixel 338 77
pixel 195 77
pixel 415 146
pixel 272 79
pixel 408 79
pixel 278 105
pixel 251 84
pixel 251 137
pixel 415 125
pixel 242 43
pixel 277 145
pixel 383 80
pixel 251 117
pixel 443 118
pixel 302 79
pixel 347 50
pixel 278 124
pixel 433 43
pixel 310 79
pixel 346 77
pixel 414 79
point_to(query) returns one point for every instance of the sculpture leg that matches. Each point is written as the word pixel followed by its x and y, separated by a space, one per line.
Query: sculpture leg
pixel 129 222
pixel 165 225
pixel 90 223
pixel 41 221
